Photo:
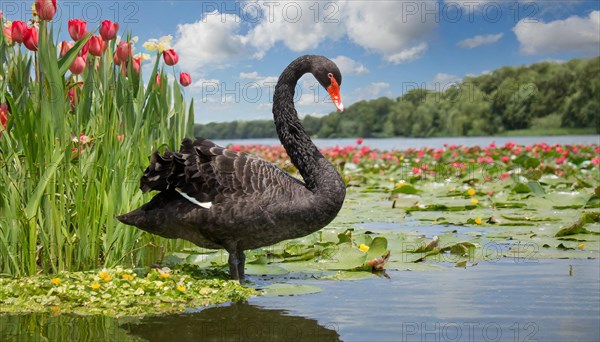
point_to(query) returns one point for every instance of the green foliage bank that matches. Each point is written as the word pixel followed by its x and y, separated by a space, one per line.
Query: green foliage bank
pixel 542 97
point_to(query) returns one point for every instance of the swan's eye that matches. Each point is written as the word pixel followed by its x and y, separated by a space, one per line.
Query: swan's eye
pixel 330 75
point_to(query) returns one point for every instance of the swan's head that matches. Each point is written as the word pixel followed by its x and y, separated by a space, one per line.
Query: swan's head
pixel 330 77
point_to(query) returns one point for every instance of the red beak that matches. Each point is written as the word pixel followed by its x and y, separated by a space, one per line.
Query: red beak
pixel 334 93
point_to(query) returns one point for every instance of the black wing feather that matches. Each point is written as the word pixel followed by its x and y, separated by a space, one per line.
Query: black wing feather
pixel 208 172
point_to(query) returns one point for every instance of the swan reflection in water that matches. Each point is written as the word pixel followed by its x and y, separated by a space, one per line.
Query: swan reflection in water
pixel 235 322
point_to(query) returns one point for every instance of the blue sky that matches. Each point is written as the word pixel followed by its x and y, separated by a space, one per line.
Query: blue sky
pixel 235 50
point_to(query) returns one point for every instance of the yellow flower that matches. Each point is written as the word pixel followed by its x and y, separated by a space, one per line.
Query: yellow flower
pixel 107 279
pixel 181 288
pixel 55 281
pixel 55 308
pixel 143 56
pixel 164 275
pixel 581 245
pixel 478 220
pixel 471 192
pixel 400 184
pixel 95 286
pixel 103 274
pixel 474 201
pixel 392 179
pixel 160 45
pixel 127 276
pixel 363 247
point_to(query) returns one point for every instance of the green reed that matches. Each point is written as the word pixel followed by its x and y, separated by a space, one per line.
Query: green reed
pixel 59 193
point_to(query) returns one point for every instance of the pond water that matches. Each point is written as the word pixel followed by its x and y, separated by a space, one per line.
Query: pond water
pixel 404 143
pixel 506 300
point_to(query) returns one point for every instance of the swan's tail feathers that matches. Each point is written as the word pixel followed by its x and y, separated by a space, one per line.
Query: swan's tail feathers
pixel 161 171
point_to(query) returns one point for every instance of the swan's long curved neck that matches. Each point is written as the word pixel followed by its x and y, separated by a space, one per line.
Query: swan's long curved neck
pixel 311 164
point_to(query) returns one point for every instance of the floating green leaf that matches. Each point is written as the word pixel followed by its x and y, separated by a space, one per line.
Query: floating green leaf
pixel 280 289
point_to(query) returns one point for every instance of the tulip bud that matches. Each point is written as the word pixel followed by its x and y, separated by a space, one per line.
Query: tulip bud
pixel 123 51
pixel 116 59
pixel 18 30
pixel 31 39
pixel 3 114
pixel 8 35
pixel 77 29
pixel 45 9
pixel 78 65
pixel 136 63
pixel 97 46
pixel 108 30
pixel 65 47
pixel 185 79
pixel 170 57
pixel 157 80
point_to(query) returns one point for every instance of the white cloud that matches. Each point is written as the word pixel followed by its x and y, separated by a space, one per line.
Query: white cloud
pixel 383 27
pixel 387 28
pixel 484 72
pixel 442 81
pixel 349 66
pixel 373 90
pixel 572 34
pixel 479 40
pixel 469 5
pixel 444 78
pixel 408 55
pixel 263 81
pixel 208 40
pixel 249 75
pixel 296 24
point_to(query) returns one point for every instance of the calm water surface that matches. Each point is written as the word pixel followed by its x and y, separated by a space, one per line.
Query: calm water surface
pixel 404 143
pixel 507 300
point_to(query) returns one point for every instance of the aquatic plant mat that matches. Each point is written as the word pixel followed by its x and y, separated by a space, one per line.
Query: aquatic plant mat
pixel 119 292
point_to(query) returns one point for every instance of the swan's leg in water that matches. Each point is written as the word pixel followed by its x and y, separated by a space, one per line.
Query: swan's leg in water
pixel 241 263
pixel 233 264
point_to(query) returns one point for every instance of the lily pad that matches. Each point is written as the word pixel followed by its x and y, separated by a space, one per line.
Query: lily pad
pixel 280 289
pixel 255 269
pixel 348 275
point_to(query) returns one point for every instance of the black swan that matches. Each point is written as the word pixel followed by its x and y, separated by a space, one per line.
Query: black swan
pixel 218 198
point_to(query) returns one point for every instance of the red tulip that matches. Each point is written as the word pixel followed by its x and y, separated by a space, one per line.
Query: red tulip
pixel 157 80
pixel 185 79
pixel 97 46
pixel 65 47
pixel 136 63
pixel 116 59
pixel 46 9
pixel 31 39
pixel 123 51
pixel 78 65
pixel 3 114
pixel 71 96
pixel 8 35
pixel 18 31
pixel 77 28
pixel 170 57
pixel 108 30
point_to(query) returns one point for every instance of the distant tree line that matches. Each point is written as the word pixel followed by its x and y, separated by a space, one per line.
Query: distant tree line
pixel 542 96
